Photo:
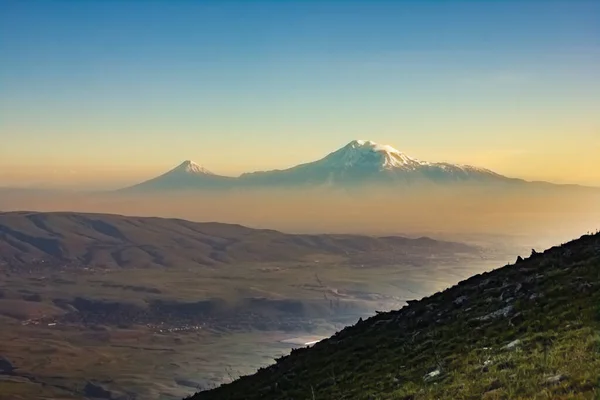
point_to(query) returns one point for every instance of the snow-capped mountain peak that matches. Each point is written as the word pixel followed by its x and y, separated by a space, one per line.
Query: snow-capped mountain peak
pixel 371 146
pixel 368 153
pixel 190 167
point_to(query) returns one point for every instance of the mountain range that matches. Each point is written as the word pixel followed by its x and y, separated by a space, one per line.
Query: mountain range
pixel 358 163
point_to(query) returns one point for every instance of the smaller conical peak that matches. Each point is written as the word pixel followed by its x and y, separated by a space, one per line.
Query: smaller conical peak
pixel 192 168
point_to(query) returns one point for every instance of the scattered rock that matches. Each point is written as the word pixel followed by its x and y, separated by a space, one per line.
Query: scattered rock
pixel 533 296
pixel 555 379
pixel 460 300
pixel 432 374
pixel 513 344
pixel 518 287
pixel 492 394
pixel 503 312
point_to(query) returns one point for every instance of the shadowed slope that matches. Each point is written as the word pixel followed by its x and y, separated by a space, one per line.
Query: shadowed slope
pixel 120 241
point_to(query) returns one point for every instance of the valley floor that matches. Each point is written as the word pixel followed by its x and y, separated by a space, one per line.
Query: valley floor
pixel 167 333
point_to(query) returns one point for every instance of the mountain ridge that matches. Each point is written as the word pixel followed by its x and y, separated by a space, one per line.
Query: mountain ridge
pixel 117 241
pixel 362 162
pixel 356 163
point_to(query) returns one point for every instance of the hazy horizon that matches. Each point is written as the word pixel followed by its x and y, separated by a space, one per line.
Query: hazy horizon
pixel 94 98
pixel 550 216
pixel 120 177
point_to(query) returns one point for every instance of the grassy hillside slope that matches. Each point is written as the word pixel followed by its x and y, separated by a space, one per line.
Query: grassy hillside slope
pixel 528 330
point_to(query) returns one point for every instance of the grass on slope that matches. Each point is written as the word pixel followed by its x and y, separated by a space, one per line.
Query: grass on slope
pixel 525 331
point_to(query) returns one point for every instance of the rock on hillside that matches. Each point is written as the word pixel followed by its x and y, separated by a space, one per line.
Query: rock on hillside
pixel 528 330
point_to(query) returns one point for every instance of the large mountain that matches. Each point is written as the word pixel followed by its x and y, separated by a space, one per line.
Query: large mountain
pixel 530 330
pixel 358 163
pixel 364 162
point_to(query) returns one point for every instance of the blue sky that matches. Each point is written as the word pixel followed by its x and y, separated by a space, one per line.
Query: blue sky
pixel 129 88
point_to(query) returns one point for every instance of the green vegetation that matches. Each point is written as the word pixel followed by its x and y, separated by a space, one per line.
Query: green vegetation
pixel 528 330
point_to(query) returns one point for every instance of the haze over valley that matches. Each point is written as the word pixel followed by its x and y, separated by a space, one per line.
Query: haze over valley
pixel 363 187
pixel 152 292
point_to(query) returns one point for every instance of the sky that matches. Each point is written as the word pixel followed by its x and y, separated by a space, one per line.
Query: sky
pixel 103 93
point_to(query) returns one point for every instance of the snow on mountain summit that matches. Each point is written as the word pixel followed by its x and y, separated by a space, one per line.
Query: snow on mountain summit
pixel 190 167
pixel 185 176
pixel 370 154
pixel 370 145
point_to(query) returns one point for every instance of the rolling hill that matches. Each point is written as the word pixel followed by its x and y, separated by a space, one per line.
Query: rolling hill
pixel 106 240
pixel 524 331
